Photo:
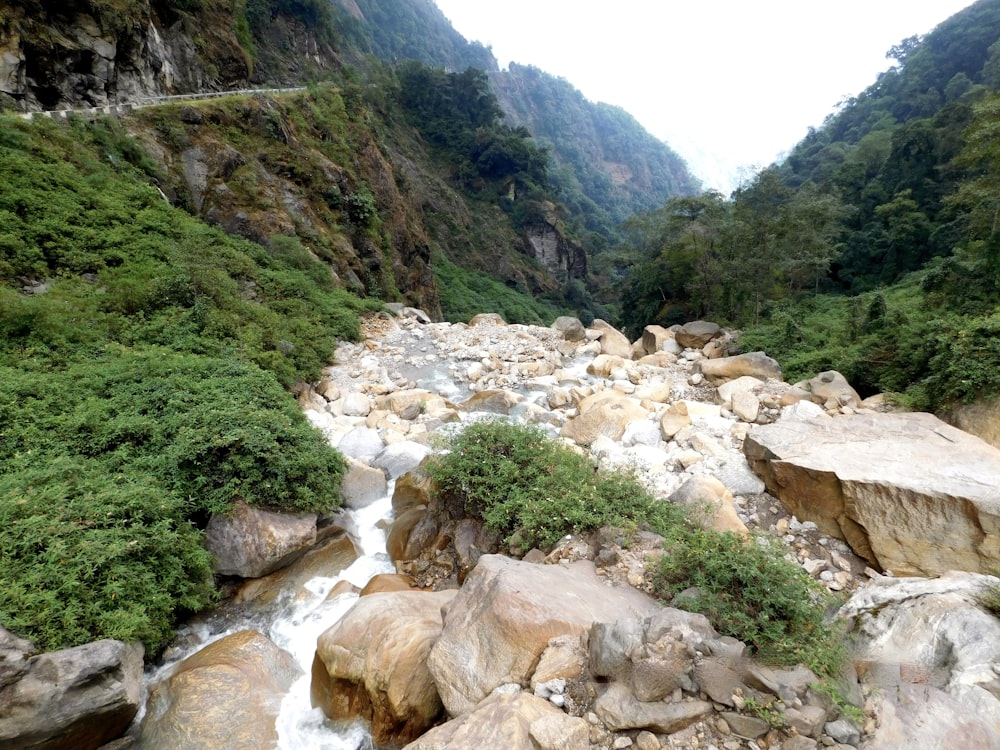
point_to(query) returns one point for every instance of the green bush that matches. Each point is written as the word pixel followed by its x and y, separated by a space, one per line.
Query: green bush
pixel 520 482
pixel 749 591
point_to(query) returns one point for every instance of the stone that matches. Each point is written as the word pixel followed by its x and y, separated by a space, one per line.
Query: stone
pixel 611 645
pixel 719 680
pixel 562 659
pixel 361 443
pixel 844 732
pixel 362 485
pixel 748 727
pixel 506 614
pixel 799 742
pixel 641 432
pixel 674 420
pixel 397 543
pixel 354 404
pixel 621 711
pixel 373 664
pixel 81 697
pixel 908 492
pixel 251 542
pixel 492 402
pixel 696 334
pixel 571 328
pixel 609 418
pixel 654 337
pixel 746 406
pixel 399 458
pixel 711 503
pixel 404 401
pixel 603 365
pixel 743 384
pixel 807 721
pixel 754 364
pixel 831 385
pixel 612 341
pixel 487 319
pixel 224 697
pixel 518 720
pixel 382 583
pixel 647 741
pixel 412 489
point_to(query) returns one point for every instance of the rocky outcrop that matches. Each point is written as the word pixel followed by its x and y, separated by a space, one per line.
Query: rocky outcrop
pixel 558 254
pixel 907 491
pixel 373 664
pixel 251 542
pixel 504 617
pixel 224 697
pixel 74 699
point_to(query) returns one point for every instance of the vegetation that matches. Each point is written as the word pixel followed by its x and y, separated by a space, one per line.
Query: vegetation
pixel 140 386
pixel 534 490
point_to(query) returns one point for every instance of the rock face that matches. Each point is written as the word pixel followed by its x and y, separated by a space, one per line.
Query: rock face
pixel 504 617
pixel 250 542
pixel 927 652
pixel 224 697
pixel 79 698
pixel 373 664
pixel 906 491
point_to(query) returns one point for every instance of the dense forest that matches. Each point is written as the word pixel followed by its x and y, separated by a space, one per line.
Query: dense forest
pixel 873 248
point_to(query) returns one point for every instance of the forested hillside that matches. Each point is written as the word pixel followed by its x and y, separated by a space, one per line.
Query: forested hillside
pixel 873 248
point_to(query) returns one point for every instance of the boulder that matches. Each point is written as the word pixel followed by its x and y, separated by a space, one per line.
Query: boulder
pixel 711 503
pixel 831 390
pixel 908 492
pixel 612 341
pixel 224 697
pixel 697 333
pixel 492 402
pixel 402 457
pixel 354 404
pixel 654 337
pixel 361 443
pixel 512 721
pixel 744 384
pixel 506 614
pixel 570 328
pixel 74 699
pixel 362 485
pixel 251 542
pixel 754 364
pixel 609 417
pixel 373 664
pixel 402 403
pixel 620 711
pixel 603 365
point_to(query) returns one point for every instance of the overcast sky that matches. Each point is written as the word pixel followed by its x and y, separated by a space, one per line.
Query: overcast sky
pixel 729 84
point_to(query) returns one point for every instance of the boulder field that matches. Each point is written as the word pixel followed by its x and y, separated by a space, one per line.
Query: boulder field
pixel 478 644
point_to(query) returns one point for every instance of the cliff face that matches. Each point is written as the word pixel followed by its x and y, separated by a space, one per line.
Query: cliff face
pixel 89 54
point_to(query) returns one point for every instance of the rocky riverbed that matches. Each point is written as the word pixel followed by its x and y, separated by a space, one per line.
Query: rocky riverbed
pixel 433 640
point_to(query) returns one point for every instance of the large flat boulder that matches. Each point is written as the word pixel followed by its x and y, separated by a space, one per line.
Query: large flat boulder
pixel 908 492
pixel 506 613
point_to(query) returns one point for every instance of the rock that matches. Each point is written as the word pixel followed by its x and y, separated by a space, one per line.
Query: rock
pixel 755 364
pixel 412 489
pixel 613 341
pixel 746 406
pixel 844 732
pixel 748 727
pixel 76 698
pixel 908 492
pixel 570 328
pixel 611 645
pixel 603 365
pixel 674 420
pixel 399 458
pixel 641 432
pixel 709 500
pixel 491 401
pixel 696 334
pixel 654 337
pixel 832 387
pixel 807 721
pixel 563 659
pixel 919 716
pixel 383 583
pixel 373 663
pixel 512 721
pixel 487 319
pixel 609 418
pixel 620 711
pixel 743 384
pixel 799 742
pixel 504 617
pixel 251 542
pixel 354 404
pixel 735 473
pixel 647 741
pixel 362 485
pixel 224 697
pixel 361 443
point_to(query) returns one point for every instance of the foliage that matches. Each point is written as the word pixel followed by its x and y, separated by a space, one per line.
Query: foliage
pixel 748 590
pixel 522 483
pixel 467 293
pixel 91 553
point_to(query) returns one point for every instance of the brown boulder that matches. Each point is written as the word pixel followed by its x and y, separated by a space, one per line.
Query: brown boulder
pixel 612 341
pixel 251 542
pixel 697 333
pixel 226 696
pixel 755 364
pixel 907 491
pixel 506 614
pixel 373 664
pixel 609 417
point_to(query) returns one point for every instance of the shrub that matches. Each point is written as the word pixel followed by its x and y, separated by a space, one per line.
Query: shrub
pixel 748 590
pixel 520 482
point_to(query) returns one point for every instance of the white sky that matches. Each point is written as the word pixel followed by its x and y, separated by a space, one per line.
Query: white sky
pixel 729 84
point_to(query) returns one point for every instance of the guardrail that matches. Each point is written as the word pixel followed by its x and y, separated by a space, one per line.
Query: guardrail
pixel 114 110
